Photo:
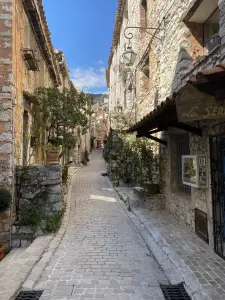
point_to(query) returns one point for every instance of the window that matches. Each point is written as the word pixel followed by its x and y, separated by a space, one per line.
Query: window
pixel 145 67
pixel 211 31
pixel 203 21
pixel 143 13
pixel 182 148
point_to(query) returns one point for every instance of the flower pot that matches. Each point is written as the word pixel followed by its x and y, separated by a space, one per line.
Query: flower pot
pixel 2 251
pixel 52 157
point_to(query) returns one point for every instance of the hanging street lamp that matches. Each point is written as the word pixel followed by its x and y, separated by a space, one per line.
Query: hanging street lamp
pixel 129 57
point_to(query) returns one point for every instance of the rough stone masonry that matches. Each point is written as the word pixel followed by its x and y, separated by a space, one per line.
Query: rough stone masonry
pixel 6 82
pixel 38 187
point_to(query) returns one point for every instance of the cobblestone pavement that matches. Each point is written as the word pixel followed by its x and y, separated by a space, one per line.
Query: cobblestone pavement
pixel 102 255
pixel 208 267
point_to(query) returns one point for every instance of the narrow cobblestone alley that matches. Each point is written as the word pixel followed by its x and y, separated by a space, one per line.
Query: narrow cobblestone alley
pixel 102 255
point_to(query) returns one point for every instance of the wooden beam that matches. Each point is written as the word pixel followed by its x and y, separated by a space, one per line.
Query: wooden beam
pixel 186 127
pixel 151 137
pixel 156 130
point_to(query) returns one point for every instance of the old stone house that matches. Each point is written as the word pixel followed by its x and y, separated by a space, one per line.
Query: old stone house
pixel 99 126
pixel 28 60
pixel 166 69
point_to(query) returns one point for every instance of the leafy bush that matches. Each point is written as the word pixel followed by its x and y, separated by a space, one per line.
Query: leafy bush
pixel 53 223
pixel 131 160
pixel 5 199
pixel 31 216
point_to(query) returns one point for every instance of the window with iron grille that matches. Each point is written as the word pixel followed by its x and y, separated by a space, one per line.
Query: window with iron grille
pixel 182 147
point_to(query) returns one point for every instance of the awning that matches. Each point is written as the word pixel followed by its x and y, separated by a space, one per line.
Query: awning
pixel 158 118
pixel 210 82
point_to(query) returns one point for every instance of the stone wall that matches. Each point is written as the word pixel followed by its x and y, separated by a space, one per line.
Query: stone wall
pixel 6 82
pixel 38 187
pixel 180 204
pixel 173 54
pixel 26 80
pixel 173 49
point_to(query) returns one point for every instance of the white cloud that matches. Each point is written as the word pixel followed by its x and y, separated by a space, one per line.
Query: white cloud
pixel 102 91
pixel 100 62
pixel 89 77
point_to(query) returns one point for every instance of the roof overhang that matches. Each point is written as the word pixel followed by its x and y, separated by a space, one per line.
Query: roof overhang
pixel 211 81
pixel 201 10
pixel 158 118
pixel 207 85
pixel 42 34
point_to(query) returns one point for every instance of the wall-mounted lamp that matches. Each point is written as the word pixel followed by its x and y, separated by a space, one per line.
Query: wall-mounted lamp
pixel 129 56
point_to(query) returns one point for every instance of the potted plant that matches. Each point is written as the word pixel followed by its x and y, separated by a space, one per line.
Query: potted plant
pixel 53 154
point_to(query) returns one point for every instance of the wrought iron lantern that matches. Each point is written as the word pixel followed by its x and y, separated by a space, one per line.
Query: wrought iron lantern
pixel 129 57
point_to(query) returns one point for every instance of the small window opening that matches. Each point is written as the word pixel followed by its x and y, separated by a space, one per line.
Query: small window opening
pixel 145 68
pixel 211 31
pixel 144 13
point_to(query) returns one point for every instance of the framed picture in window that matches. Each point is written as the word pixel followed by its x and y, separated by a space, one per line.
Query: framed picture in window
pixel 194 171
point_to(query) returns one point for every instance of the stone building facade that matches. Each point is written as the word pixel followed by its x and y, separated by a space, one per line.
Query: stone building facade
pixel 28 60
pixel 180 58
pixel 99 123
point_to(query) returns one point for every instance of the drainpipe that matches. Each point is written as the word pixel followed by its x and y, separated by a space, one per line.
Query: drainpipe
pixel 13 177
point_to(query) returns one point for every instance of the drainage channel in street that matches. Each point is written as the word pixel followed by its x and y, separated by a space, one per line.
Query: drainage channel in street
pixel 29 295
pixel 175 292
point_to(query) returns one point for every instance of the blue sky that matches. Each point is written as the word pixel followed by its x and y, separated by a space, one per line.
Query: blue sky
pixel 83 31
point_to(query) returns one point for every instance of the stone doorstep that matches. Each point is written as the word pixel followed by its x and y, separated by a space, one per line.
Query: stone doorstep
pixel 174 267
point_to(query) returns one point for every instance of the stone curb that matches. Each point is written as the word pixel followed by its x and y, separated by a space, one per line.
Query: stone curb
pixel 18 265
pixel 174 268
pixel 33 277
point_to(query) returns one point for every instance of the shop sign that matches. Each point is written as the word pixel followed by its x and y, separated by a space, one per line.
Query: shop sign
pixel 193 105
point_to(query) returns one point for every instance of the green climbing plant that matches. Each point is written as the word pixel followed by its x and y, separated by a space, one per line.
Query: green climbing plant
pixel 130 160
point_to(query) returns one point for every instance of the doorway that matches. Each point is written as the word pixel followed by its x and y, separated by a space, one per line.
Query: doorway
pixel 217 150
